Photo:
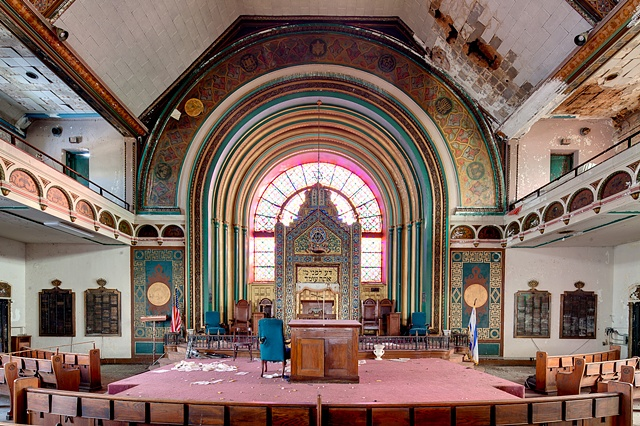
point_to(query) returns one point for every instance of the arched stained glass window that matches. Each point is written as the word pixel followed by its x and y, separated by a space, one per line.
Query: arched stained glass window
pixel 285 194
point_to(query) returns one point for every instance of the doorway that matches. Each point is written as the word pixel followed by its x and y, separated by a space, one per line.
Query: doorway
pixel 78 166
pixel 634 329
pixel 560 164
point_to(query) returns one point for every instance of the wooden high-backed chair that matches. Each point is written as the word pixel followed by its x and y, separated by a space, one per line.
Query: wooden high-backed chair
pixel 370 316
pixel 241 317
pixel 385 307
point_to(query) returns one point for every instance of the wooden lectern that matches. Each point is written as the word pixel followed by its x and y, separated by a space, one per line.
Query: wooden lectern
pixel 324 351
pixel 154 319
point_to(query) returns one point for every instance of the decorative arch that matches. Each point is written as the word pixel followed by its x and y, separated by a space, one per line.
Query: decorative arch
pixel 59 197
pixel 107 219
pixel 617 182
pixel 582 198
pixel 26 181
pixel 553 211
pixel 423 141
pixel 147 231
pixel 405 183
pixel 85 209
pixel 172 231
pixel 469 142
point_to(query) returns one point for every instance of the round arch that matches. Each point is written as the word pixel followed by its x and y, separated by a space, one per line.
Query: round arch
pixel 243 147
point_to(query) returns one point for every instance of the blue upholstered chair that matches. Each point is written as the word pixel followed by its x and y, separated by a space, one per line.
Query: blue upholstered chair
pixel 212 323
pixel 272 345
pixel 418 324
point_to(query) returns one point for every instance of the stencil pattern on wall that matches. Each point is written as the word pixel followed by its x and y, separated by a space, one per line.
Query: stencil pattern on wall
pixel 477 279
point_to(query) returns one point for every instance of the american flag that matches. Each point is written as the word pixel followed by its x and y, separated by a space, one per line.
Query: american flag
pixel 176 320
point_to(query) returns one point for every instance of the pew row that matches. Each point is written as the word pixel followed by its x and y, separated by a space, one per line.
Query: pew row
pixel 37 362
pixel 591 374
pixel 47 406
pixel 547 366
pixel 53 372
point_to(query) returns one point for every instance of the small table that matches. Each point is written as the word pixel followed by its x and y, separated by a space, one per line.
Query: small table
pixel 243 340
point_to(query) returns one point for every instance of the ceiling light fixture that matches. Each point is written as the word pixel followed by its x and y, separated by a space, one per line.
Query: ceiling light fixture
pixel 581 38
pixel 68 229
pixel 62 34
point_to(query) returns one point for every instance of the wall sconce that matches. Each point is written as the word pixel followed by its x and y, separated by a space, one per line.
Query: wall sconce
pixel 62 34
pixel 581 38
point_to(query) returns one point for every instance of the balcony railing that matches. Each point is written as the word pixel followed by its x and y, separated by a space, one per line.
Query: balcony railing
pixel 16 140
pixel 604 156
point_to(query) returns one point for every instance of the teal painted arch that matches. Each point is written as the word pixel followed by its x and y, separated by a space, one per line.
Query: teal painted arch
pixel 362 34
pixel 421 174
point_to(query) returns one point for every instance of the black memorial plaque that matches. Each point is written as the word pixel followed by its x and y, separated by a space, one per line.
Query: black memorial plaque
pixel 102 311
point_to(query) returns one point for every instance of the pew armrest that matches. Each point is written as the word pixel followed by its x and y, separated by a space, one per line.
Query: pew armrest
pixel 570 383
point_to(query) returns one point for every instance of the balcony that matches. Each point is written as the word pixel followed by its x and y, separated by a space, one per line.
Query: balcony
pixel 43 200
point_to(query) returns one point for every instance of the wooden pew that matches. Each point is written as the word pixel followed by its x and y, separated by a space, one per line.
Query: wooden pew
pixel 48 407
pixel 547 366
pixel 630 374
pixel 590 374
pixel 34 362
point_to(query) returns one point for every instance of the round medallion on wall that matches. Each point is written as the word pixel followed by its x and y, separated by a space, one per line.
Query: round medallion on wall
pixel 387 63
pixel 158 294
pixel 193 107
pixel 476 295
pixel 444 105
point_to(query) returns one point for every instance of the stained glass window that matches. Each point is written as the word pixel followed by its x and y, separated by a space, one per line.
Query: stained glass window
pixel 285 194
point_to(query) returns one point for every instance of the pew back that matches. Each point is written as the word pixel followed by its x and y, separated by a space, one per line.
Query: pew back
pixel 547 366
pixel 45 406
pixel 38 362
pixel 590 374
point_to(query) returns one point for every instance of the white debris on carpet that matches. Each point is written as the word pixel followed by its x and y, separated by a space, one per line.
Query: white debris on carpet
pixel 198 366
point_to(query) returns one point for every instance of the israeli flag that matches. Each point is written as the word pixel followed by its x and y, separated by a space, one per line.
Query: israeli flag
pixel 473 337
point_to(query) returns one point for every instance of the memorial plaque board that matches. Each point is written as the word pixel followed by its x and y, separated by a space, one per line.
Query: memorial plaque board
pixel 532 312
pixel 578 313
pixel 57 311
pixel 102 311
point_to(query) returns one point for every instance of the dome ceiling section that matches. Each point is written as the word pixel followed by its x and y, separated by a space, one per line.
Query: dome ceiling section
pixel 461 125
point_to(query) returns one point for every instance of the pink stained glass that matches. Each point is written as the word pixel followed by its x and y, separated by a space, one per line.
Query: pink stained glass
pixel 369 209
pixel 369 275
pixel 264 273
pixel 339 178
pixel 371 245
pixel 296 174
pixel 371 224
pixel 264 244
pixel 371 259
pixel 274 195
pixel 264 223
pixel 283 183
pixel 353 184
pixel 344 183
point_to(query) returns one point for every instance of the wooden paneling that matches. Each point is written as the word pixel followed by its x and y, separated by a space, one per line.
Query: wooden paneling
pixel 247 416
pixel 164 412
pixel 206 414
pixel 324 350
pixel 516 414
pixel 344 416
pixel 390 416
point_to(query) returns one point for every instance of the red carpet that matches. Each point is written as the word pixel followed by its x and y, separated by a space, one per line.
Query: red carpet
pixel 416 380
